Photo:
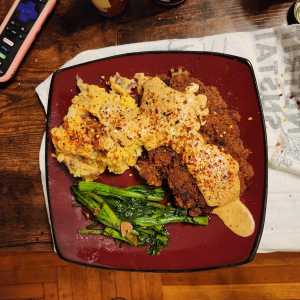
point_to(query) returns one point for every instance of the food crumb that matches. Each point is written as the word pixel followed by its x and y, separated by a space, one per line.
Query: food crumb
pixel 250 119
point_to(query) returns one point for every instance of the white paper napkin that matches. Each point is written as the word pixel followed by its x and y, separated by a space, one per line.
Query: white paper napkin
pixel 275 56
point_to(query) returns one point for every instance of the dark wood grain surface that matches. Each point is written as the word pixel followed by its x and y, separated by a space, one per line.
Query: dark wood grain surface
pixel 43 276
pixel 73 27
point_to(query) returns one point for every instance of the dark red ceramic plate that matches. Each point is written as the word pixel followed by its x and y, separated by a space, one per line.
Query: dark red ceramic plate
pixel 190 247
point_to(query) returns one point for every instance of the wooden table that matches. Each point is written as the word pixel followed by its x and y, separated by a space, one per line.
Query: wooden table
pixel 75 26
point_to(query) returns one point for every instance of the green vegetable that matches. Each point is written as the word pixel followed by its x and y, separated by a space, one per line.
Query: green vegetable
pixel 155 240
pixel 136 208
pixel 86 231
pixel 152 221
pixel 101 211
pixel 143 213
pixel 129 209
pixel 111 232
pixel 139 192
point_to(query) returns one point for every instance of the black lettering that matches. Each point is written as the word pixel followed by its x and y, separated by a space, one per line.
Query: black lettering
pixel 265 51
pixel 297 63
pixel 294 81
pixel 294 119
pixel 292 48
pixel 271 68
pixel 292 64
pixel 268 83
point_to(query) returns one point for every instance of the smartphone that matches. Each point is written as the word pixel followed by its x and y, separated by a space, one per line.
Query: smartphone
pixel 18 31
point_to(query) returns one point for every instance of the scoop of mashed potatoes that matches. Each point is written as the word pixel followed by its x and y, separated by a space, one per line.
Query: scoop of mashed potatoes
pixel 100 131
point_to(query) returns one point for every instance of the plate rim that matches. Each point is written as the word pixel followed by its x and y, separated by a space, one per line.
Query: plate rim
pixel 179 270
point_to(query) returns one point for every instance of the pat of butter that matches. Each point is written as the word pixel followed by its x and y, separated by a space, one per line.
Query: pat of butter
pixel 237 217
pixel 102 4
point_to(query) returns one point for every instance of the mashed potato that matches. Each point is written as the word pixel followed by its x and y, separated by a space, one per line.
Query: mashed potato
pixel 100 131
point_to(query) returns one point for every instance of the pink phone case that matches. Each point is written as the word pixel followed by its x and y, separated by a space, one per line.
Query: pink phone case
pixel 29 38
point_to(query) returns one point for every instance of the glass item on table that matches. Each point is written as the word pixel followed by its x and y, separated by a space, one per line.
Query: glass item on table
pixel 110 8
pixel 169 2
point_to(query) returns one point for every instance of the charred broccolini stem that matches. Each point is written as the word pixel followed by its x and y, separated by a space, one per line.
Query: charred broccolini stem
pixel 133 206
pixel 139 192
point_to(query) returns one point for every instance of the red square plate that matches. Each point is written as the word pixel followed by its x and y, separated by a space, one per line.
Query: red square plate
pixel 190 247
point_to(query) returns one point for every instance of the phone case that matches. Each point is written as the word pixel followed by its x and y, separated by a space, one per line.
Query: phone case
pixel 29 38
